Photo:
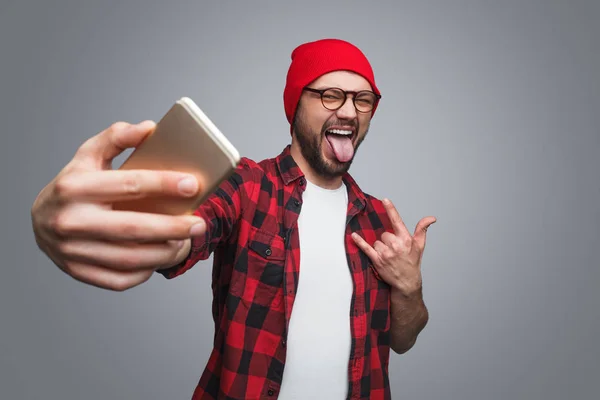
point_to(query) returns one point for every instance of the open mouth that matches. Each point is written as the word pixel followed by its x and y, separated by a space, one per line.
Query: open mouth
pixel 341 142
pixel 343 132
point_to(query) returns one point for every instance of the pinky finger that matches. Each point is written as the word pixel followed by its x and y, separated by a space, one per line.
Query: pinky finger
pixel 106 278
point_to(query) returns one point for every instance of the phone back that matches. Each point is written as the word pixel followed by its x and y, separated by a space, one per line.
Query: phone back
pixel 182 142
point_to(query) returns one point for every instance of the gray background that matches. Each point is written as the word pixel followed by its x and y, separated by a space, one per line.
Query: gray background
pixel 490 121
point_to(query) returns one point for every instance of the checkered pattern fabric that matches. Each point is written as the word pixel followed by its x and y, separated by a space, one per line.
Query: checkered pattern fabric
pixel 253 235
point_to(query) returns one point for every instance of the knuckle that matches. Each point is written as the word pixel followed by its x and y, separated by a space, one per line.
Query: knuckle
pixel 131 260
pixel 63 187
pixel 61 224
pixel 132 183
pixel 67 267
pixel 130 230
pixel 75 271
pixel 167 181
pixel 120 284
pixel 64 248
pixel 118 126
pixel 124 282
pixel 85 148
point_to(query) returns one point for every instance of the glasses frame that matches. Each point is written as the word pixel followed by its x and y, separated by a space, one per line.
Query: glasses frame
pixel 346 93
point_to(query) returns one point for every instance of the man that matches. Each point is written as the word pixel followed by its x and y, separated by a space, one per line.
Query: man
pixel 313 280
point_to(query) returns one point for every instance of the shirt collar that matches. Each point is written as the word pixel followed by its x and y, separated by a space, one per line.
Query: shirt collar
pixel 290 171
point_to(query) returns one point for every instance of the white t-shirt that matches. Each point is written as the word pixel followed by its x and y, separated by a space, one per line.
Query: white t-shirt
pixel 319 337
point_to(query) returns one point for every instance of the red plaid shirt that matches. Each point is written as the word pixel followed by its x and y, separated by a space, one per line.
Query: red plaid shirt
pixel 253 234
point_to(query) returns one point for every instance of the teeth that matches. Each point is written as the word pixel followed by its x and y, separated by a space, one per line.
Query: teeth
pixel 340 132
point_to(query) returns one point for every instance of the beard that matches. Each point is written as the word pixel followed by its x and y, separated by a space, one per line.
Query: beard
pixel 311 146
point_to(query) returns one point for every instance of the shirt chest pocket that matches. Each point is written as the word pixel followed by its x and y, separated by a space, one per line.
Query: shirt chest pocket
pixel 262 270
pixel 266 245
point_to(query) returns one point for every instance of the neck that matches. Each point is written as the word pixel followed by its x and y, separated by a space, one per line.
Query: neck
pixel 311 175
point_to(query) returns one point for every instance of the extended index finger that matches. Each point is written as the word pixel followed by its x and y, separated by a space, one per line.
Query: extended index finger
pixel 395 218
pixel 366 247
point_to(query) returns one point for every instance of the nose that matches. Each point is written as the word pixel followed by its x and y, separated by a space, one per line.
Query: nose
pixel 347 111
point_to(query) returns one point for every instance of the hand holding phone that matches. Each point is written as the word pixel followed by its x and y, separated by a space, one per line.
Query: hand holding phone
pixel 185 140
pixel 77 227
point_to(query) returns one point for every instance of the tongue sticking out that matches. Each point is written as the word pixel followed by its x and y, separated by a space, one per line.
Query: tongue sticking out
pixel 342 146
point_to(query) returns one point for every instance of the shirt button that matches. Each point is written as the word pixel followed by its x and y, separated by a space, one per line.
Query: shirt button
pixel 268 252
pixel 296 203
pixel 302 182
pixel 283 343
pixel 271 392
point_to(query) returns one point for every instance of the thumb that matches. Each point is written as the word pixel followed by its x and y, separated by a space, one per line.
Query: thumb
pixel 421 230
pixel 106 145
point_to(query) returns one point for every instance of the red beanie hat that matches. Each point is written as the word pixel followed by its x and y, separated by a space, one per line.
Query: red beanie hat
pixel 313 59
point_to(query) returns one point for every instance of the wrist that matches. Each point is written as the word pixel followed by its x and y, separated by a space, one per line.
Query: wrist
pixel 407 293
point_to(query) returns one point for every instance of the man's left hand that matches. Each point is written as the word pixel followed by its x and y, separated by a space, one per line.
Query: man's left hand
pixel 397 256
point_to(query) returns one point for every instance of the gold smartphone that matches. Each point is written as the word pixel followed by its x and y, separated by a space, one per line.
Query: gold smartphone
pixel 184 140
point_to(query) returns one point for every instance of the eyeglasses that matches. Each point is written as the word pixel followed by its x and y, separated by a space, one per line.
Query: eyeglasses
pixel 334 98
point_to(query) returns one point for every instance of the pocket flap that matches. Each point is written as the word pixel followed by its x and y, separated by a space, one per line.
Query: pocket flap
pixel 268 245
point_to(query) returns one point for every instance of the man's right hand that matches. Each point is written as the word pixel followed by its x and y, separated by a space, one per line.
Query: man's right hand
pixel 75 225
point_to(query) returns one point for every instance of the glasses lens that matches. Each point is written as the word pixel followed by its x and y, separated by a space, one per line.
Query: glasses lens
pixel 333 98
pixel 365 101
